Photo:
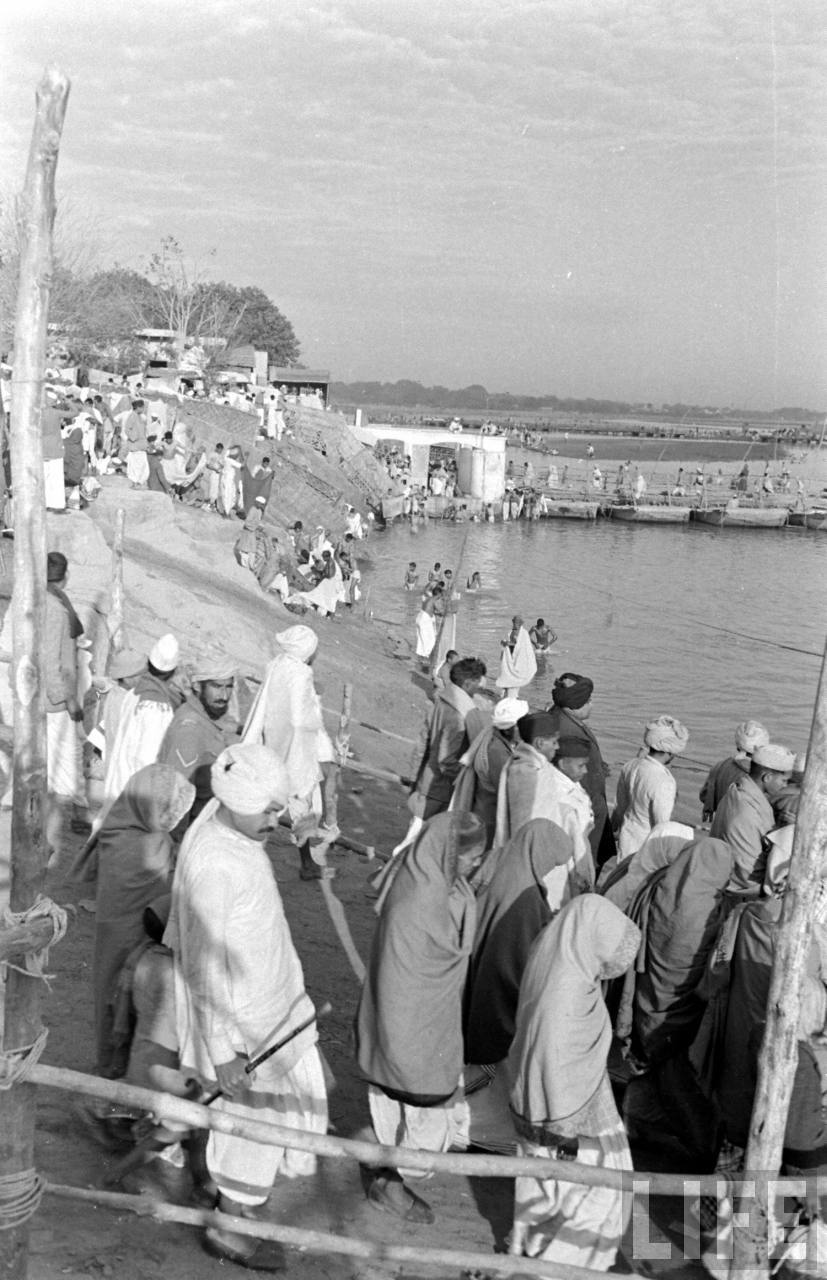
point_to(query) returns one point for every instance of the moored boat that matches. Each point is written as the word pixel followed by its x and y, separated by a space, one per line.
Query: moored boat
pixel 738 517
pixel 649 513
pixel 573 509
pixel 815 518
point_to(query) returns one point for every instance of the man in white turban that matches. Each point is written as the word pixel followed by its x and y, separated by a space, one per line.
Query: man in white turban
pixel 287 718
pixel 749 735
pixel 239 988
pixel 646 788
pixel 477 785
pixel 202 726
pixel 745 815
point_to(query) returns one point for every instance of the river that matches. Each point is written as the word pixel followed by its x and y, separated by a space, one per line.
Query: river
pixel 636 608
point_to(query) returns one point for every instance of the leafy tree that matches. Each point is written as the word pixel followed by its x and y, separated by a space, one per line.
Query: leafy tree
pixel 261 323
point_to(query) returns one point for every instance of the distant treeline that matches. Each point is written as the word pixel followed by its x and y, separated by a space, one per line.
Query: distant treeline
pixel 475 399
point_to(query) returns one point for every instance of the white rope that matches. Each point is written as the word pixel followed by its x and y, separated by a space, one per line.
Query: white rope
pixel 40 908
pixel 20 1196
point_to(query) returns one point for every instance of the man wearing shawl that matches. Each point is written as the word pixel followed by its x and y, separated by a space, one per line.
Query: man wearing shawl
pixel 146 714
pixel 409 1022
pixel 531 787
pixel 646 789
pixel 518 663
pixel 134 862
pixel 239 987
pixel 477 784
pixel 455 721
pixel 679 910
pixel 63 711
pixel 561 1099
pixel 287 717
pixel 620 881
pixel 748 737
pixel 570 710
pixel 201 727
pixel 745 815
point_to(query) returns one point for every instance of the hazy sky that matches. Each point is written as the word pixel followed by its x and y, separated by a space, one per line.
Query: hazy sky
pixel 587 197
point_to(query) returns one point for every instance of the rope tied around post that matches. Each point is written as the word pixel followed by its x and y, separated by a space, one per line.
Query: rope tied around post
pixel 17 1064
pixel 41 908
pixel 20 1196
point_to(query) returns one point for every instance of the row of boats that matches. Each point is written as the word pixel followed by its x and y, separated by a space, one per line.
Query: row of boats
pixel 732 514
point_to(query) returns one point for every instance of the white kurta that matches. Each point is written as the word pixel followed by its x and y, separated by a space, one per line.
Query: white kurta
pixel 425 634
pixel 531 787
pixel 646 793
pixel 137 741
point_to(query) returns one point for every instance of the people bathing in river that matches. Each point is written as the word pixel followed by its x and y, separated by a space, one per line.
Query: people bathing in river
pixel 474 583
pixel 518 665
pixel 411 580
pixel 542 636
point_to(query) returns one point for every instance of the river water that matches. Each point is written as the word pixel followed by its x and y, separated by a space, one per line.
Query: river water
pixel 636 608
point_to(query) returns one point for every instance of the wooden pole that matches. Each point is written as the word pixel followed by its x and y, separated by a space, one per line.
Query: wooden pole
pixel 116 637
pixel 28 851
pixel 779 1051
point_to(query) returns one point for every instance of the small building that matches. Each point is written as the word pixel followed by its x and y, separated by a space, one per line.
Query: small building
pixel 249 364
pixel 300 382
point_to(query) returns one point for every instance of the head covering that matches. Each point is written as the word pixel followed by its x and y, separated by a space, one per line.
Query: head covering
pixel 573 747
pixel 247 778
pixel 779 859
pixel 800 764
pixel 57 566
pixel 126 663
pixel 660 849
pixel 680 910
pixel 750 734
pixel 785 804
pixel 508 711
pixel 773 756
pixel 298 642
pixel 213 666
pixel 538 724
pixel 666 734
pixel 528 886
pixel 409 1022
pixel 572 691
pixel 556 1074
pixel 164 653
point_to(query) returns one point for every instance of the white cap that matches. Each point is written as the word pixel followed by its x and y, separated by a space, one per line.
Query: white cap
pixel 508 711
pixel 749 735
pixel 773 756
pixel 164 653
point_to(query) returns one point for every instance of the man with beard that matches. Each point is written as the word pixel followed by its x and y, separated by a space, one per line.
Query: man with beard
pixel 201 727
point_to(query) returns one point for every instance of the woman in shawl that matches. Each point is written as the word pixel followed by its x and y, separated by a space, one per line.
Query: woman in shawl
pixel 530 883
pixel 134 866
pixel 620 881
pixel 679 910
pixel 561 1099
pixel 478 782
pixel 409 1021
pixel 228 489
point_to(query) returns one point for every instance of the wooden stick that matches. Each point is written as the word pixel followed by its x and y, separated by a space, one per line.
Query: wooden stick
pixel 167 1106
pixel 778 1059
pixel 116 636
pixel 385 775
pixel 501 1264
pixel 28 846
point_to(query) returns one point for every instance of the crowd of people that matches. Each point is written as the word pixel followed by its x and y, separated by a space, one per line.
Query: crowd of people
pixel 519 902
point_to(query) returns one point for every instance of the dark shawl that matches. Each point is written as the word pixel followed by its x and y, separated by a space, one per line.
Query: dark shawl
pixel 409 1020
pixel 601 837
pixel 512 910
pixel 681 909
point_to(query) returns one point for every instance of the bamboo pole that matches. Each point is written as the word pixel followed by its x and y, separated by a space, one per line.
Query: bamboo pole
pixel 28 847
pixel 22 939
pixel 116 636
pixel 779 1050
pixel 373 1154
pixel 499 1264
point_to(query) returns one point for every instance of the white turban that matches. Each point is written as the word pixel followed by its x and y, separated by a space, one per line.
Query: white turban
pixel 248 778
pixel 212 666
pixel 666 734
pixel 508 711
pixel 164 653
pixel 749 735
pixel 299 642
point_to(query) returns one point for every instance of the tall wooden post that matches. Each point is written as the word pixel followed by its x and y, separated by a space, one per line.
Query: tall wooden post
pixel 116 637
pixel 28 853
pixel 779 1050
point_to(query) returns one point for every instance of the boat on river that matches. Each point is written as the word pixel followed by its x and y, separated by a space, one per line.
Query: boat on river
pixel 649 513
pixel 571 509
pixel 815 518
pixel 737 517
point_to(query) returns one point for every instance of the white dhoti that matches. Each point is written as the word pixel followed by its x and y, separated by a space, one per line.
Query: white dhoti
pixel 55 493
pixel 400 1124
pixel 63 758
pixel 245 1171
pixel 568 1223
pixel 137 467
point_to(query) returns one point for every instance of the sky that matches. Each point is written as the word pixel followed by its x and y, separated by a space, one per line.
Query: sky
pixel 607 198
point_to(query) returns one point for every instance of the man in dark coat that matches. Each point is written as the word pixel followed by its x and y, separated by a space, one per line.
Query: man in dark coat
pixel 570 709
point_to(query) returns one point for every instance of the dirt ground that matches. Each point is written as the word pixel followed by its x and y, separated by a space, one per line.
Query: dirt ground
pixel 180 575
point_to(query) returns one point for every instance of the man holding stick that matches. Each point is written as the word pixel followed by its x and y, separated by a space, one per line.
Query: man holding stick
pixel 239 988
